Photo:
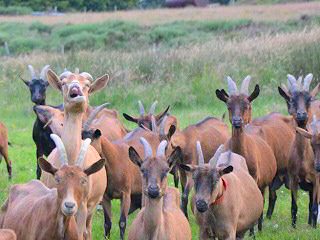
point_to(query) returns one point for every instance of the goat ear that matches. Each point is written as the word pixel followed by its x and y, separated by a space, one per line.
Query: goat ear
pixel 315 91
pixel 96 134
pixel 99 84
pixel 95 167
pixel 25 81
pixel 42 113
pixel 255 93
pixel 188 167
pixel 226 170
pixel 129 118
pixel 54 80
pixel 172 130
pixel 159 116
pixel 174 157
pixel 284 94
pixel 304 133
pixel 222 95
pixel 46 166
pixel 134 157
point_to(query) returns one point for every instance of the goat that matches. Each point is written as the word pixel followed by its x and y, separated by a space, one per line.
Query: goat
pixel 4 148
pixel 259 156
pixel 75 89
pixel 161 217
pixel 34 211
pixel 301 169
pixel 225 191
pixel 7 234
pixel 211 132
pixel 40 135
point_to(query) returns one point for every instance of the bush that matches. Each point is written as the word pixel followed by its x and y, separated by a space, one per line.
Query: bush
pixel 15 10
pixel 82 40
pixel 24 45
pixel 40 28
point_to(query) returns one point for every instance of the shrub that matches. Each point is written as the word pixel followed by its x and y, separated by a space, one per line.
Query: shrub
pixel 40 28
pixel 24 45
pixel 82 40
pixel 15 10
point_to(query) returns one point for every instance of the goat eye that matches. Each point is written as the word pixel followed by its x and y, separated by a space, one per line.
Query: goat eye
pixel 57 180
pixel 84 182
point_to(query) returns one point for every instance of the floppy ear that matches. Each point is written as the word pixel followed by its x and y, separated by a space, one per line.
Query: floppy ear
pixel 95 167
pixel 188 167
pixel 284 94
pixel 174 157
pixel 226 170
pixel 255 93
pixel 172 130
pixel 222 95
pixel 99 84
pixel 129 118
pixel 134 157
pixel 315 91
pixel 46 166
pixel 304 133
pixel 25 81
pixel 54 80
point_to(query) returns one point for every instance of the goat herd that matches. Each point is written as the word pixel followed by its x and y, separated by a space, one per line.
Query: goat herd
pixel 93 158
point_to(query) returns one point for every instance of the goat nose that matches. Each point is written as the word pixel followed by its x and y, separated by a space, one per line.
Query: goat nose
pixel 153 191
pixel 302 114
pixel 69 205
pixel 201 205
pixel 236 122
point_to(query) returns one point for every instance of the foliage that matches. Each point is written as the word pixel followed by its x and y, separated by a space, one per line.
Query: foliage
pixel 15 10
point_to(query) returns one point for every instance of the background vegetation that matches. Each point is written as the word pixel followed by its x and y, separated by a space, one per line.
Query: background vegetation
pixel 180 63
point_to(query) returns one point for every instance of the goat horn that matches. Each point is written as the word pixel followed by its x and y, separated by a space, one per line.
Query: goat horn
pixel 200 158
pixel 299 82
pixel 307 81
pixel 141 108
pixel 65 74
pixel 153 107
pixel 93 115
pixel 162 125
pixel 214 160
pixel 147 148
pixel 87 76
pixel 61 149
pixel 293 83
pixel 245 85
pixel 314 125
pixel 83 152
pixel 43 74
pixel 232 87
pixel 283 86
pixel 76 70
pixel 161 149
pixel 32 72
pixel 153 124
pixel 48 123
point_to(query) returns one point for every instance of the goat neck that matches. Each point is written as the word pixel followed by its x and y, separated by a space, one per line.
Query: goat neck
pixel 153 216
pixel 238 139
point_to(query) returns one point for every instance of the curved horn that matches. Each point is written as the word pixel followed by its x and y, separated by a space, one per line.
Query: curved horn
pixel 245 85
pixel 293 83
pixel 314 125
pixel 32 72
pixel 214 160
pixel 153 124
pixel 83 152
pixel 232 87
pixel 87 76
pixel 161 149
pixel 65 74
pixel 299 82
pixel 147 148
pixel 307 81
pixel 76 70
pixel 162 125
pixel 141 108
pixel 200 158
pixel 61 149
pixel 43 74
pixel 153 107
pixel 93 115
pixel 284 88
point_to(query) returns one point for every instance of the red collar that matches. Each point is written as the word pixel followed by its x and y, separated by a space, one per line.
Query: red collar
pixel 220 199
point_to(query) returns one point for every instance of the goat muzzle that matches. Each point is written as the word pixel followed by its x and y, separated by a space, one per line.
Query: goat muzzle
pixel 153 191
pixel 75 93
pixel 236 122
pixel 202 206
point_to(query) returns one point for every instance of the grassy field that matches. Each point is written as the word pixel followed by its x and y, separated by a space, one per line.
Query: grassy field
pixel 184 75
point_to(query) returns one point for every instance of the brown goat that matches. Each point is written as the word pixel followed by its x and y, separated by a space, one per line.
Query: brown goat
pixel 4 148
pixel 211 132
pixel 7 234
pixel 225 191
pixel 161 217
pixel 301 167
pixel 34 211
pixel 75 89
pixel 258 154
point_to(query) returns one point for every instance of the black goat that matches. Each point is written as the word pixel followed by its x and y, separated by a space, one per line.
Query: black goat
pixel 40 134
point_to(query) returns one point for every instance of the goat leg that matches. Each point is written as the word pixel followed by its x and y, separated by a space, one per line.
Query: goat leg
pixel 272 201
pixel 294 207
pixel 107 211
pixel 185 195
pixel 39 154
pixel 174 171
pixel 8 162
pixel 314 208
pixel 125 205
pixel 260 221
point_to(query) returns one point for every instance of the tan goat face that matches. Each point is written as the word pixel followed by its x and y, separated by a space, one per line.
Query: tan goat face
pixel 154 172
pixel 76 88
pixel 207 183
pixel 72 184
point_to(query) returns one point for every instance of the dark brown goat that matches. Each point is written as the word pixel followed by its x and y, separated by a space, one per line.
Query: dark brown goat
pixel 211 132
pixel 4 148
pixel 223 197
pixel 301 168
pixel 259 156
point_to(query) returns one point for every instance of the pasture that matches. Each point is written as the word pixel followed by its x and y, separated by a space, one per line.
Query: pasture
pixel 184 75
